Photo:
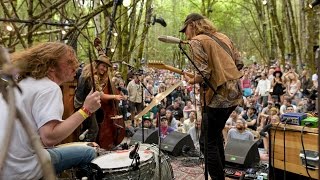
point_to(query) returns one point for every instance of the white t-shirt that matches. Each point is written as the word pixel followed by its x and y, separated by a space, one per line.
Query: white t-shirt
pixel 40 102
pixel 314 77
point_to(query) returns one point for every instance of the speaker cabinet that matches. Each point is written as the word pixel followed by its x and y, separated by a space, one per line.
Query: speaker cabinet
pixel 175 141
pixel 243 153
pixel 150 136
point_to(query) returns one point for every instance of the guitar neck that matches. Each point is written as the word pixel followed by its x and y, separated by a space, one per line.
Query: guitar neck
pixel 170 68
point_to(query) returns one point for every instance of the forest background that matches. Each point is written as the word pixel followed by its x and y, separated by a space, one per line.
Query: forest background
pixel 264 31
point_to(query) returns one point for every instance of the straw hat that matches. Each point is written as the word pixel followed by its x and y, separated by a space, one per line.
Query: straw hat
pixel 104 59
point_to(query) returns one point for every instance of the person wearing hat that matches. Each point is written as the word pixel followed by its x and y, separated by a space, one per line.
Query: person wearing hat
pixel 277 85
pixel 218 64
pixel 84 87
pixel 135 95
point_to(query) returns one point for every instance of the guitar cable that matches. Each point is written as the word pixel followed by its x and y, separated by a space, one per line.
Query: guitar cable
pixel 304 152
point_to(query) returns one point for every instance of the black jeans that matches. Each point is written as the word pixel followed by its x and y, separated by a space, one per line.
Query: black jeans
pixel 217 118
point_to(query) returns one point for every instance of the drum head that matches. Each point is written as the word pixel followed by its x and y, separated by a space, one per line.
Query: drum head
pixel 120 159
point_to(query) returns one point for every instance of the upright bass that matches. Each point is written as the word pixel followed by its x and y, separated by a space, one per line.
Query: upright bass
pixel 112 127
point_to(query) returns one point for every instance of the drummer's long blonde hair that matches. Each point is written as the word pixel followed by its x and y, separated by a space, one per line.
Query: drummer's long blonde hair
pixel 36 61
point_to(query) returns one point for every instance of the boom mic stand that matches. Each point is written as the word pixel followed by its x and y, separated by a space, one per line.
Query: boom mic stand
pixel 159 142
pixel 142 123
pixel 206 84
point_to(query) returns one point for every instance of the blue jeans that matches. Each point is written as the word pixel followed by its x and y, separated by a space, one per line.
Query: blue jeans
pixel 63 158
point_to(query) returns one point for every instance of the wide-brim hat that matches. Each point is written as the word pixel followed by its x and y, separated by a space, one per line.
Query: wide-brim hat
pixel 104 59
pixel 277 70
pixel 190 18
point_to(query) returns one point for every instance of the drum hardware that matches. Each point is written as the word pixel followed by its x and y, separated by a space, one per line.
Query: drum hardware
pixel 134 155
pixel 155 101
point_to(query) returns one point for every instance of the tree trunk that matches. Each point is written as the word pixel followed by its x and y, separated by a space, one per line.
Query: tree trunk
pixel 278 30
pixel 144 31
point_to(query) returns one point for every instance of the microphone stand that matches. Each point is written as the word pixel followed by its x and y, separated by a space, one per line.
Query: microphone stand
pixel 204 125
pixel 142 123
pixel 159 142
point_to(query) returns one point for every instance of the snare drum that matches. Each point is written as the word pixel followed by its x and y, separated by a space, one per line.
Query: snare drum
pixel 166 169
pixel 117 165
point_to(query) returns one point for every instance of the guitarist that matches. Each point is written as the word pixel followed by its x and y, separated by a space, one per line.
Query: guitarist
pixel 220 68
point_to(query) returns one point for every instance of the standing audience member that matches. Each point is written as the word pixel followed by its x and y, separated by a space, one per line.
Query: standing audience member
pixel 135 96
pixel 263 89
pixel 43 68
pixel 278 86
pixel 220 68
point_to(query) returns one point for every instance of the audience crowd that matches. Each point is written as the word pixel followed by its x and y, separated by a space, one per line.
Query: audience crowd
pixel 268 93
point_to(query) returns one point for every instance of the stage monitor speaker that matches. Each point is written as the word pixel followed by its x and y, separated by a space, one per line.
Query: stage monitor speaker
pixel 175 141
pixel 150 136
pixel 242 153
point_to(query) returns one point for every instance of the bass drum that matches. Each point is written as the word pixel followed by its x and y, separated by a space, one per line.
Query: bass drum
pixel 166 169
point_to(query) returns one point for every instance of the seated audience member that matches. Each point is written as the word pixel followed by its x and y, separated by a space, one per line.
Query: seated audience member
pixel 189 123
pixel 176 110
pixel 251 118
pixel 195 132
pixel 147 122
pixel 266 109
pixel 289 109
pixel 171 120
pixel 287 102
pixel 275 119
pixel 240 132
pixel 188 109
pixel 230 123
pixel 164 127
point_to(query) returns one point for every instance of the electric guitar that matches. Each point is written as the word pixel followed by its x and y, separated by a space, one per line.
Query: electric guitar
pixel 160 65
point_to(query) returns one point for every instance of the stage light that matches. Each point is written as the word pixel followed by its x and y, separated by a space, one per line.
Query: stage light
pixel 126 3
pixel 112 50
pixel 264 2
pixel 63 32
pixel 115 34
pixel 9 28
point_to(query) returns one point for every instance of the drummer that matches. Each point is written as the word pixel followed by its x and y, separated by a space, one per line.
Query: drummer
pixel 43 68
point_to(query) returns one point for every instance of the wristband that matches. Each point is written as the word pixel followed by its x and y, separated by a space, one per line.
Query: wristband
pixel 83 114
pixel 86 111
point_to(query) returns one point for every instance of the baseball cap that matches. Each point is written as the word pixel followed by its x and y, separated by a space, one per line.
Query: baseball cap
pixel 190 18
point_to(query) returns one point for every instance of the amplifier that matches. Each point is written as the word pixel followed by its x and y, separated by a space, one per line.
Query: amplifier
pixel 293 118
pixel 312 121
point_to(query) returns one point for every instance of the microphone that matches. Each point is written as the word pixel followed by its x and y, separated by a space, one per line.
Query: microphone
pixel 134 151
pixel 265 129
pixel 171 39
pixel 83 135
pixel 123 62
pixel 314 3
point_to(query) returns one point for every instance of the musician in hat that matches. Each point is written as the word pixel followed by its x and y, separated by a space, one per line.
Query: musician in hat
pixel 135 92
pixel 218 63
pixel 100 70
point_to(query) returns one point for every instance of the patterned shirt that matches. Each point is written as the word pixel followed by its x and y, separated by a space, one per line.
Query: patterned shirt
pixel 228 94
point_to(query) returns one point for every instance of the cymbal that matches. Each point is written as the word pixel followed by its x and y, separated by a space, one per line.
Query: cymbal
pixel 156 100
